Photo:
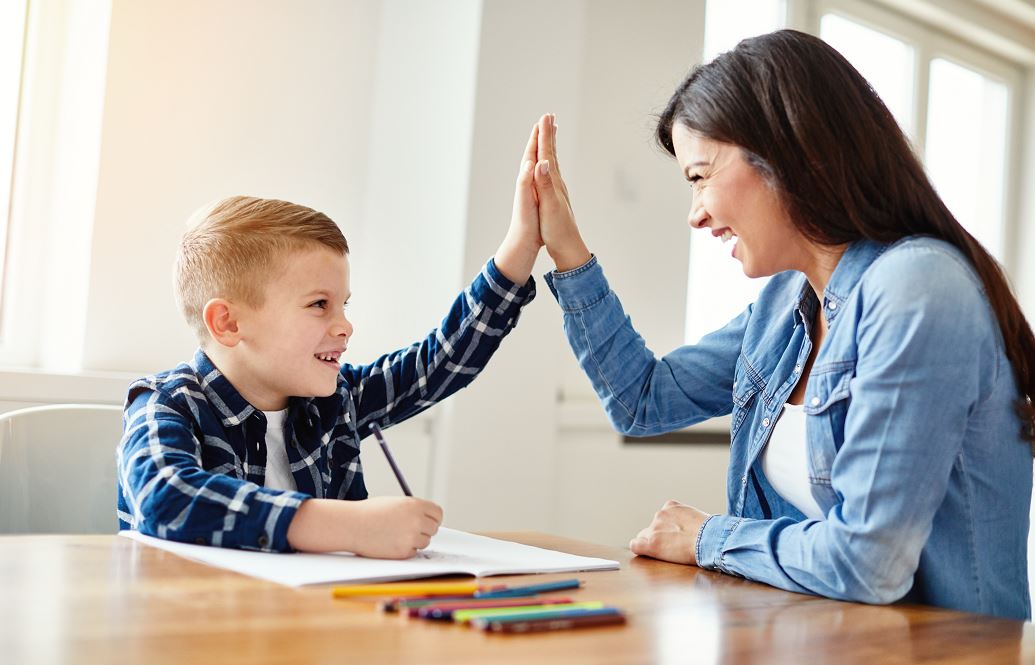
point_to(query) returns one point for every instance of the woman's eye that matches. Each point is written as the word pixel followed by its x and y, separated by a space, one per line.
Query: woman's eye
pixel 322 304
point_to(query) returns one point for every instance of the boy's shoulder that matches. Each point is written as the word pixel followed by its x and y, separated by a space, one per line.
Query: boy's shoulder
pixel 176 386
pixel 185 387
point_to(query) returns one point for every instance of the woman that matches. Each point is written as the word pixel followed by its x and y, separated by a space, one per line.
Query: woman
pixel 880 388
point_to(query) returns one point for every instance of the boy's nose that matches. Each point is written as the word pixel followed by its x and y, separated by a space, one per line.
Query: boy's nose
pixel 343 328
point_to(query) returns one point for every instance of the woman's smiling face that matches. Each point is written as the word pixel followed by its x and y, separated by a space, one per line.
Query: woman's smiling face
pixel 734 201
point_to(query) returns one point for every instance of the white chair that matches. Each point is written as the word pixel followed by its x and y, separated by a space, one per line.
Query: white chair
pixel 57 469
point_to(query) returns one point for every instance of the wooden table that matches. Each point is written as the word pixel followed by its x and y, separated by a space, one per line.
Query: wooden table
pixel 106 599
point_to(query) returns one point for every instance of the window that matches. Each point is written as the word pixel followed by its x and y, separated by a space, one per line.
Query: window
pixel 967 126
pixel 53 63
pixel 953 101
pixel 886 62
pixel 12 47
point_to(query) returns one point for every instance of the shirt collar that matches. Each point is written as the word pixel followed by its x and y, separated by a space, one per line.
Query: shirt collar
pixel 232 407
pixel 854 262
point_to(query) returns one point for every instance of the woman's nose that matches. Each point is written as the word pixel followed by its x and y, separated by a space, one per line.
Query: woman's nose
pixel 698 216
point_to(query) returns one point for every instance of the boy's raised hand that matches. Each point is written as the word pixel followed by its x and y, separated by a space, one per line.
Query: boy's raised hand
pixel 516 255
pixel 557 226
pixel 379 527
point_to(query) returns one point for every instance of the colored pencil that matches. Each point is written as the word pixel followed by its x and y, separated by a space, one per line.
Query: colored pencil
pixel 463 616
pixel 531 589
pixel 445 610
pixel 538 625
pixel 407 589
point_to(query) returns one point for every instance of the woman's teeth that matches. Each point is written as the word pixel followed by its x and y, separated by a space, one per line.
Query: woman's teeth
pixel 726 235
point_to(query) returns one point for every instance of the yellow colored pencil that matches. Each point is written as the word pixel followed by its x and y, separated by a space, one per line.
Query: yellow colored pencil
pixel 463 616
pixel 406 589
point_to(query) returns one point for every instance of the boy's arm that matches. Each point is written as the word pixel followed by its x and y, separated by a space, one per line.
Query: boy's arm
pixel 170 495
pixel 401 384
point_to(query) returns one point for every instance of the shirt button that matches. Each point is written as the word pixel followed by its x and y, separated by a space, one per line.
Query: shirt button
pixel 814 401
pixel 832 305
pixel 765 423
pixel 263 540
pixel 797 368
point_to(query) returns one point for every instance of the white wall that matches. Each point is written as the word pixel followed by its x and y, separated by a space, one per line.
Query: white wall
pixel 205 100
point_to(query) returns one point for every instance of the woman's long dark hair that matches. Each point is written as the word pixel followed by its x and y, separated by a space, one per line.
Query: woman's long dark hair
pixel 819 134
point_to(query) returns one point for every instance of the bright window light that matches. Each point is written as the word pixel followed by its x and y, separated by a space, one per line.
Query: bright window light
pixel 717 289
pixel 726 22
pixel 967 126
pixel 12 38
pixel 887 63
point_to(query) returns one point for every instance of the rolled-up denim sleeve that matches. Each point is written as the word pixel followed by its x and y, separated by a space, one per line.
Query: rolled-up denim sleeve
pixel 926 355
pixel 643 394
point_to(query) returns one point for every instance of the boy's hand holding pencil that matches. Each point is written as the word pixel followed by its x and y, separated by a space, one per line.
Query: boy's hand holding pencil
pixel 384 527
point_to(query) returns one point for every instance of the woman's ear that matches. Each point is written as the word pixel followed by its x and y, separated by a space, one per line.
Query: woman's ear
pixel 221 321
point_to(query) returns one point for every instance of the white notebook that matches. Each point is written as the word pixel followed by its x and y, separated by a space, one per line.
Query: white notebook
pixel 451 552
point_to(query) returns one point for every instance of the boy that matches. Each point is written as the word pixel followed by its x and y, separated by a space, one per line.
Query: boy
pixel 254 442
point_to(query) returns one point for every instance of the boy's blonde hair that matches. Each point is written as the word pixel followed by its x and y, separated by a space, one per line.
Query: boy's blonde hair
pixel 232 248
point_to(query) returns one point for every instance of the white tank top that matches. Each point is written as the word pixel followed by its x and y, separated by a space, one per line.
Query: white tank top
pixel 785 461
pixel 278 469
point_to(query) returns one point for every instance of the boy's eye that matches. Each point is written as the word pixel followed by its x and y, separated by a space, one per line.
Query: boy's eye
pixel 322 304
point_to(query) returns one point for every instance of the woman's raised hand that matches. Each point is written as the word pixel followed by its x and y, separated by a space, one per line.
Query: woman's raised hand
pixel 517 253
pixel 557 226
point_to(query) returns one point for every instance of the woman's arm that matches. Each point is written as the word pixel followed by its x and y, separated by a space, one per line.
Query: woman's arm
pixel 642 394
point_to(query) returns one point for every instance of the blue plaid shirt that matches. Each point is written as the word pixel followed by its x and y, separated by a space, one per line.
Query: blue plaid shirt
pixel 192 460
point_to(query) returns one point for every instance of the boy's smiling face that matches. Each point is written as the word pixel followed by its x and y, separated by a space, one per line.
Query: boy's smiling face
pixel 291 345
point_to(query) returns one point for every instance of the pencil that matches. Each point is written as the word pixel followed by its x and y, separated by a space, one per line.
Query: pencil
pixel 538 625
pixel 407 589
pixel 532 611
pixel 445 610
pixel 391 460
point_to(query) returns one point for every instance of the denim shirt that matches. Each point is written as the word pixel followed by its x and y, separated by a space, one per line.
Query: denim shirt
pixel 914 446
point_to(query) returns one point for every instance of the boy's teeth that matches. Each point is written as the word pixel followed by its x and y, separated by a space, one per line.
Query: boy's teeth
pixel 727 235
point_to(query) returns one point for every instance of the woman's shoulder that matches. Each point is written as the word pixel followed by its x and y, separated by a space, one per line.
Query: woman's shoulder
pixel 923 268
pixel 925 274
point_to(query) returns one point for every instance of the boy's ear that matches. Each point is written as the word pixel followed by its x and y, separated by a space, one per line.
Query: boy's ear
pixel 221 320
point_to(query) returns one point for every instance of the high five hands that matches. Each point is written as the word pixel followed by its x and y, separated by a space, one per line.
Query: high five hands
pixel 557 225
pixel 542 214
